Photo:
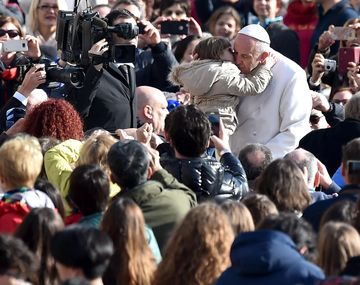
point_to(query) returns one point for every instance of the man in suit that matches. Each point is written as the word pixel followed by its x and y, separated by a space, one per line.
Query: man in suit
pixel 107 98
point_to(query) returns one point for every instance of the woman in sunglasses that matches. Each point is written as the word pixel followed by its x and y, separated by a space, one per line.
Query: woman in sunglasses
pixel 42 21
pixel 13 64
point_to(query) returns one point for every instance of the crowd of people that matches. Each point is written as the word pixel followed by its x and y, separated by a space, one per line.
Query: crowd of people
pixel 190 142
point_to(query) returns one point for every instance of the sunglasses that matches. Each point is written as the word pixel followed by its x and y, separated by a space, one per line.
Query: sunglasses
pixel 11 33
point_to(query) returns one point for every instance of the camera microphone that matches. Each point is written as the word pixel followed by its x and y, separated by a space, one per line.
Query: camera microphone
pixel 99 22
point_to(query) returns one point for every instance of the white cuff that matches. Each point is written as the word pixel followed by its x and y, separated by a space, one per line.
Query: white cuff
pixel 21 98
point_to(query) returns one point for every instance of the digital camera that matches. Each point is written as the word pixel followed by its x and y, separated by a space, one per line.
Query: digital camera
pixel 329 65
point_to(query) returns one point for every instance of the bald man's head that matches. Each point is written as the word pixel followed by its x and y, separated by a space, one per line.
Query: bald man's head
pixel 305 160
pixel 151 107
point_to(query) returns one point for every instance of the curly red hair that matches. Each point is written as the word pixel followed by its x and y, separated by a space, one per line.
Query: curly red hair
pixel 55 118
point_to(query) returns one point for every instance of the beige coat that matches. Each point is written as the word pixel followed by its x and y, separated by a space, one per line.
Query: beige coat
pixel 279 117
pixel 215 86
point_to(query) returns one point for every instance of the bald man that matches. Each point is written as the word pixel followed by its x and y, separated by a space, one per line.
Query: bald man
pixel 151 107
pixel 316 174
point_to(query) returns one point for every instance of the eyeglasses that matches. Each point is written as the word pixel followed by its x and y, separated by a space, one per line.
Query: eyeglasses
pixel 11 33
pixel 48 8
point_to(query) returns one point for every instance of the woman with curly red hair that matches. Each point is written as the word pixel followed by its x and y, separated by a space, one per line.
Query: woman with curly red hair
pixel 55 118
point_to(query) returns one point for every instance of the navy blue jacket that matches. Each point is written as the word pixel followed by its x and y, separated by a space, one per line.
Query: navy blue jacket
pixel 268 257
pixel 326 144
pixel 314 212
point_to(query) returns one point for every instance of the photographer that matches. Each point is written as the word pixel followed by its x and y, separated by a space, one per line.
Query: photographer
pixel 154 63
pixel 107 98
pixel 12 63
pixel 323 69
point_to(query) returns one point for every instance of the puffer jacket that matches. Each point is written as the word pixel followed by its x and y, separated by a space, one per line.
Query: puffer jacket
pixel 208 178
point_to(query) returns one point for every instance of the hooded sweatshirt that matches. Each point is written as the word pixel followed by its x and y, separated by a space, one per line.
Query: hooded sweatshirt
pixel 268 257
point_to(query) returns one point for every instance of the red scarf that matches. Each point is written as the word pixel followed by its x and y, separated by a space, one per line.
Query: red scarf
pixel 9 74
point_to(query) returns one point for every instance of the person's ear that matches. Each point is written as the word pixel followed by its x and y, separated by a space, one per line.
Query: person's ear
pixel 112 178
pixel 150 172
pixel 317 179
pixel 263 56
pixel 343 169
pixel 148 112
pixel 344 173
pixel 167 138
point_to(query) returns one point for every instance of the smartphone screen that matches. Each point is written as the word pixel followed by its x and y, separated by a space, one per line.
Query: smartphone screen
pixel 215 123
pixel 175 27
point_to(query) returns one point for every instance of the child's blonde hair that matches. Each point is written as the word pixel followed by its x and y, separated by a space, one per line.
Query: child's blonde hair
pixel 20 160
pixel 95 150
pixel 212 48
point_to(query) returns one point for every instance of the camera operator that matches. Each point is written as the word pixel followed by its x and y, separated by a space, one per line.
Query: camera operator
pixel 12 63
pixel 107 98
pixel 152 65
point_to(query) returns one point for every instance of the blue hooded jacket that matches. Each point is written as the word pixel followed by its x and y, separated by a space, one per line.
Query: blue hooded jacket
pixel 268 257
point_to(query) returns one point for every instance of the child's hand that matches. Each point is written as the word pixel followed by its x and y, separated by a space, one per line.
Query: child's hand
pixel 270 60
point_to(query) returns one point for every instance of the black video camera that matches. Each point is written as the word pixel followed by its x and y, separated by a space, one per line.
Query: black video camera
pixel 77 32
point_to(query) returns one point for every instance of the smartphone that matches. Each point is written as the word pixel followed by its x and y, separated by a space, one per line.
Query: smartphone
pixel 343 34
pixel 215 123
pixel 353 167
pixel 15 46
pixel 141 28
pixel 123 53
pixel 175 27
pixel 346 55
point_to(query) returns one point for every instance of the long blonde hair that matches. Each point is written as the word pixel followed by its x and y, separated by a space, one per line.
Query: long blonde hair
pixel 32 18
pixel 336 244
pixel 198 250
pixel 132 262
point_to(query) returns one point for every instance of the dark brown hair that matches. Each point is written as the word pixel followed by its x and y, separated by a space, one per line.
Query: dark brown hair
pixel 132 262
pixel 283 182
pixel 260 206
pixel 224 10
pixel 36 231
pixel 6 19
pixel 211 48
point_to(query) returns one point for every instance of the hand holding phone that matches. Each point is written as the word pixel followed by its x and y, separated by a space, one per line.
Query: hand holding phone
pixel 343 34
pixel 175 27
pixel 15 46
pixel 346 55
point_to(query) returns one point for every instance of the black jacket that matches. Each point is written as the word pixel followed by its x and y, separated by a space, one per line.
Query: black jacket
pixel 284 41
pixel 107 99
pixel 208 178
pixel 153 66
pixel 326 144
